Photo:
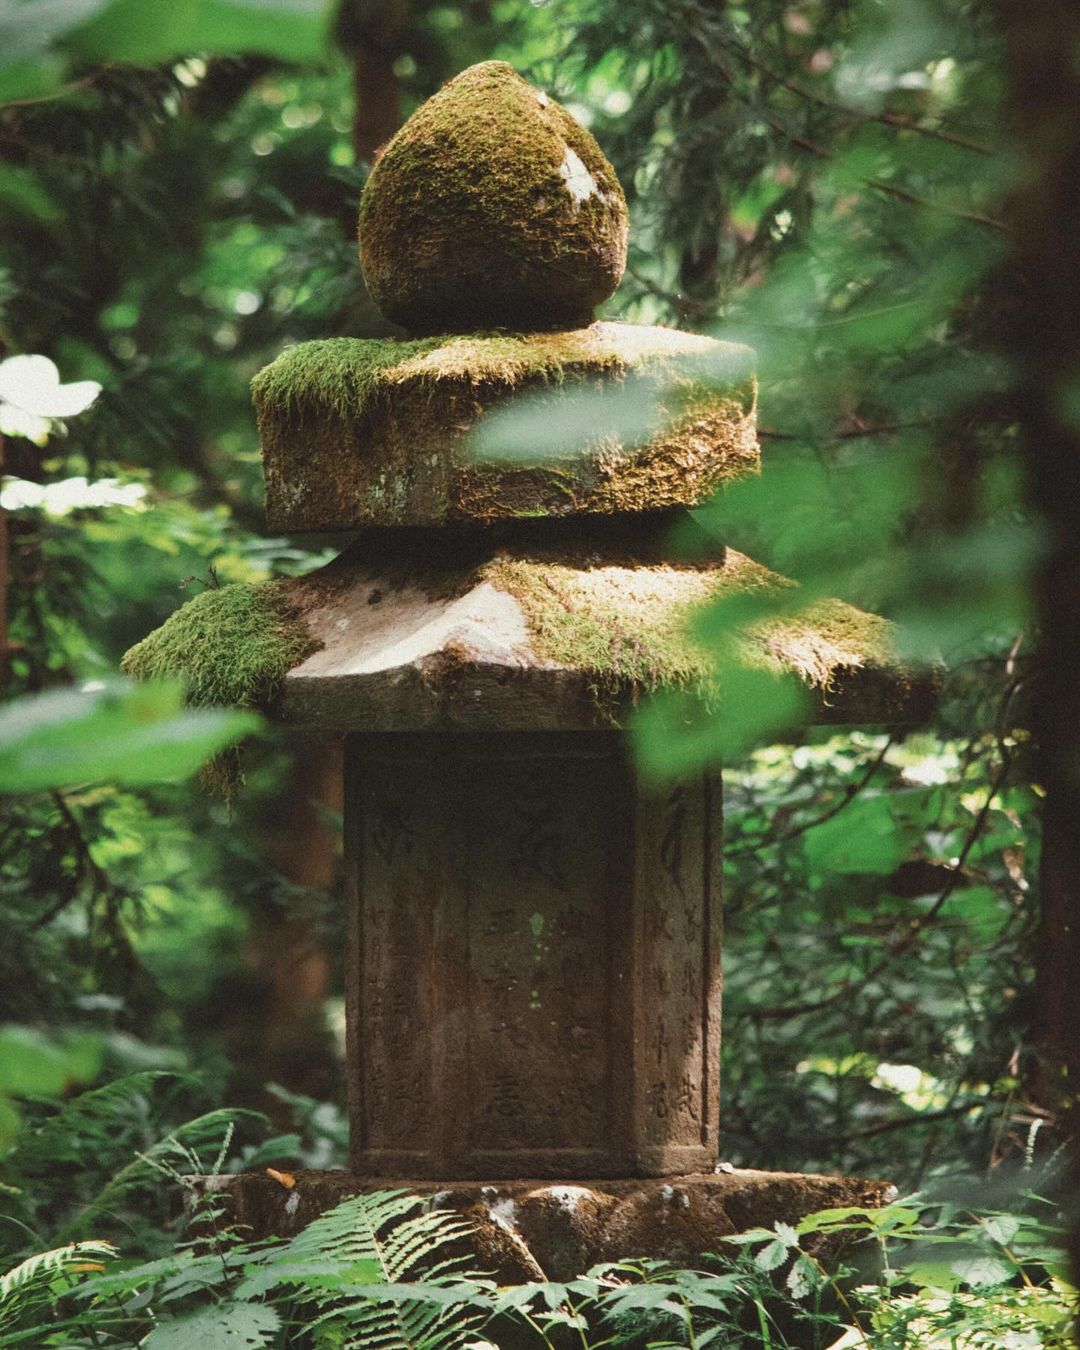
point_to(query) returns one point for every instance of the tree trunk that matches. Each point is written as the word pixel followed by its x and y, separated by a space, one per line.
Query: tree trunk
pixel 285 948
pixel 369 32
pixel 1043 38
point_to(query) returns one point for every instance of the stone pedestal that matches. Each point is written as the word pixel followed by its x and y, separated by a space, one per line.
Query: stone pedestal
pixel 534 983
pixel 532 1230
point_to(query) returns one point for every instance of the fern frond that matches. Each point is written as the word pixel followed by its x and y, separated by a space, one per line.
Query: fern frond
pixel 89 1120
pixel 400 1285
pixel 183 1142
pixel 43 1266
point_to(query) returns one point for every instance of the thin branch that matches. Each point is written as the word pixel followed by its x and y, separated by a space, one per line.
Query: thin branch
pixel 85 82
pixel 84 863
pixel 906 1122
pixel 858 434
pixel 903 195
pixel 878 184
pixel 849 795
pixel 895 120
pixel 923 921
pixel 684 305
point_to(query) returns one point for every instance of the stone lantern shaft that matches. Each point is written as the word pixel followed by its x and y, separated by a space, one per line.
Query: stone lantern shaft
pixel 534 958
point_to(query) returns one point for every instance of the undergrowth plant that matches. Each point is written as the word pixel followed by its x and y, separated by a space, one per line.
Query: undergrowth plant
pixel 387 1271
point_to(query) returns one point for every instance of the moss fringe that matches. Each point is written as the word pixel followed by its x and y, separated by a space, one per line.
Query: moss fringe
pixel 232 646
pixel 631 629
pixel 347 375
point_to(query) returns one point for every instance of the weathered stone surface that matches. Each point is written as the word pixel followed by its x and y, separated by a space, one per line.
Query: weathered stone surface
pixel 491 207
pixel 373 432
pixel 526 1230
pixel 533 627
pixel 533 984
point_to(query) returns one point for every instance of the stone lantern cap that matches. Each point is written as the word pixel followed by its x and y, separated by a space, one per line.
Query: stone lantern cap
pixel 491 208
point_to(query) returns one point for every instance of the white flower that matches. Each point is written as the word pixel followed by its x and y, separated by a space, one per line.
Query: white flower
pixel 31 395
pixel 69 494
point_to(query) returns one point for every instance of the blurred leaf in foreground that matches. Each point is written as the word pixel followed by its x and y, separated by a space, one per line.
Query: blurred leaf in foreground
pixel 130 734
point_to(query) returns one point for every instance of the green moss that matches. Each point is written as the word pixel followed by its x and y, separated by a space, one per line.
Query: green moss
pixel 491 207
pixel 347 375
pixel 630 628
pixel 232 646
pixel 617 624
pixel 824 638
pixel 341 374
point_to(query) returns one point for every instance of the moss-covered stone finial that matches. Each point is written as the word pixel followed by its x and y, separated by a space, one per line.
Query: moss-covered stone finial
pixel 492 208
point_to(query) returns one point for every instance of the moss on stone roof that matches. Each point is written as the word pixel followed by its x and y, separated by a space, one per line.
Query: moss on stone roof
pixel 232 646
pixel 632 627
pixel 346 375
pixel 491 206
pixel 341 374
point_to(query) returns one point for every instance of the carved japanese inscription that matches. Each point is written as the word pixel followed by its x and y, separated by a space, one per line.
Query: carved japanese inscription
pixel 534 959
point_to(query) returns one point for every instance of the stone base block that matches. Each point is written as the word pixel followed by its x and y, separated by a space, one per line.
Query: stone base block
pixel 533 1230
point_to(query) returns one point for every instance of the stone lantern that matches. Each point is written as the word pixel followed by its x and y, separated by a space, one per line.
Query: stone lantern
pixel 533 931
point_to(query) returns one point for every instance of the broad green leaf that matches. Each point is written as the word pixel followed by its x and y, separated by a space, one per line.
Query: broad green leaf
pixel 981 908
pixel 555 424
pixel 772 1255
pixel 25 79
pixel 9 1123
pixel 932 1275
pixel 239 1325
pixel 34 1065
pixel 803 1278
pixel 292 30
pixel 144 34
pixel 137 33
pixel 30 1065
pixel 126 733
pixel 21 195
pixel 1002 1227
pixel 675 735
pixel 981 1272
pixel 842 1216
pixel 874 834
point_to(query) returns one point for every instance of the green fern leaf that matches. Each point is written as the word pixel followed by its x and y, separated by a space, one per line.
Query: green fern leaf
pixel 400 1284
pixel 42 1267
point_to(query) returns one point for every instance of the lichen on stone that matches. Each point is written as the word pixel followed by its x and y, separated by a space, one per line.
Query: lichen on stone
pixel 232 646
pixel 491 207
